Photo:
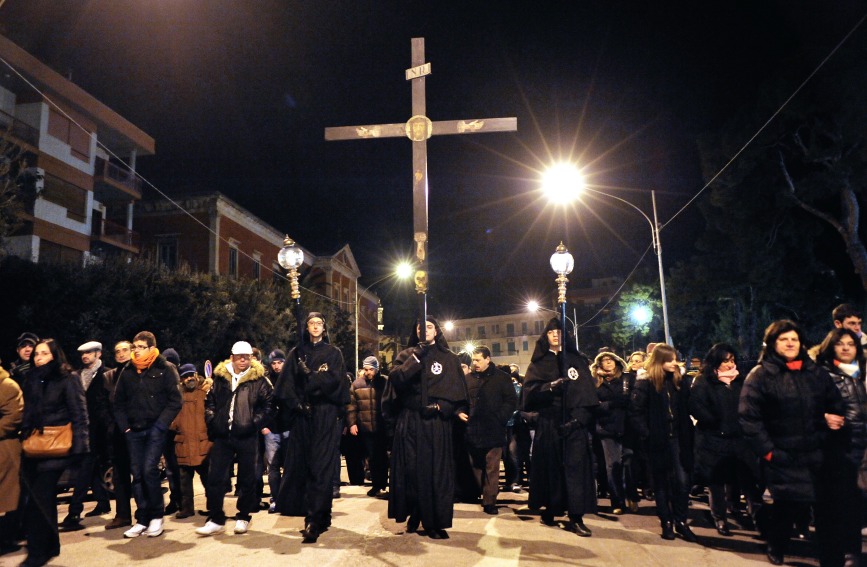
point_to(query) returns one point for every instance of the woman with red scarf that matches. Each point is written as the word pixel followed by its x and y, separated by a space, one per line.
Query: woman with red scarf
pixel 788 404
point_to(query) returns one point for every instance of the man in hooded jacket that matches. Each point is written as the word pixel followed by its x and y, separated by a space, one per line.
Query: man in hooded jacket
pixel 426 391
pixel 312 388
pixel 559 386
pixel 238 406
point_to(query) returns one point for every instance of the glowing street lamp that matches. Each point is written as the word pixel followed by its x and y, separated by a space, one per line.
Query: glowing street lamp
pixel 290 258
pixel 564 183
pixel 449 326
pixel 641 315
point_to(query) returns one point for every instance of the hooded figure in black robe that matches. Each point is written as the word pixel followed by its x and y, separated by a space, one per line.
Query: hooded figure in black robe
pixel 313 390
pixel 425 392
pixel 561 478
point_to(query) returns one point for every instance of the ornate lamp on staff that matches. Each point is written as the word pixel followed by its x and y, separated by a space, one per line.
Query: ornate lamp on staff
pixel 290 258
pixel 562 264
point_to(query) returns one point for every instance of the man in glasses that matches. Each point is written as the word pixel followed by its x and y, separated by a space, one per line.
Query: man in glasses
pixel 238 407
pixel 146 400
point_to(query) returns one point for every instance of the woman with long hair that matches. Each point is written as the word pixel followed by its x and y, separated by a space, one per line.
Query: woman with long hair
pixel 787 405
pixel 658 412
pixel 839 502
pixel 722 456
pixel 53 395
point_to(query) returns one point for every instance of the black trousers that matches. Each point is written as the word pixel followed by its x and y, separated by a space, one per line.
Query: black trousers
pixel 222 455
pixel 376 445
pixel 40 515
pixel 121 476
pixel 186 478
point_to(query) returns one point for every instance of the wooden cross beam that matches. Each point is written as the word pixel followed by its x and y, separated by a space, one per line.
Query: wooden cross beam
pixel 418 129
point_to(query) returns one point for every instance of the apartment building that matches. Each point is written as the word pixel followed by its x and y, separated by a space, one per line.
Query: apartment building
pixel 81 157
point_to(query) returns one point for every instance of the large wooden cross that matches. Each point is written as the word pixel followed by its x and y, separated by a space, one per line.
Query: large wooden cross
pixel 418 129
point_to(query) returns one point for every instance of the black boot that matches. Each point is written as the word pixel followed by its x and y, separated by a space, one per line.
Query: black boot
pixel 667 531
pixel 684 531
pixel 775 556
pixel 722 528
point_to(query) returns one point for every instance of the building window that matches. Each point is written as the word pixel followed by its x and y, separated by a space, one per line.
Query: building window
pixel 495 329
pixel 537 325
pixel 62 128
pixel 467 333
pixel 510 329
pixel 257 269
pixel 167 253
pixel 524 329
pixel 233 262
pixel 495 349
pixel 53 253
pixel 511 347
pixel 67 195
pixel 526 346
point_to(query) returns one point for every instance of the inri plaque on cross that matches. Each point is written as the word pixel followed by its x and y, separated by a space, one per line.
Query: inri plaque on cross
pixel 418 129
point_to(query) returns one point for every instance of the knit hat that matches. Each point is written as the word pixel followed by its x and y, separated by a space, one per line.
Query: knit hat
pixel 187 369
pixel 277 354
pixel 370 362
pixel 172 356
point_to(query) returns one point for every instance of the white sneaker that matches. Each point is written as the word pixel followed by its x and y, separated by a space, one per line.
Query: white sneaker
pixel 210 528
pixel 241 526
pixel 135 531
pixel 155 528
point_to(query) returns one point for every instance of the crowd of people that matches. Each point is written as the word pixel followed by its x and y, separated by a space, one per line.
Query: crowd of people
pixel 436 429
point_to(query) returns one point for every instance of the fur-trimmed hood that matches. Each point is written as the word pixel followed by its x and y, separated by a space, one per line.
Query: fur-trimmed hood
pixel 255 372
pixel 597 362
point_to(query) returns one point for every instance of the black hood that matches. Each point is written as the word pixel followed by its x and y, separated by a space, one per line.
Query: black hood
pixel 305 337
pixel 439 340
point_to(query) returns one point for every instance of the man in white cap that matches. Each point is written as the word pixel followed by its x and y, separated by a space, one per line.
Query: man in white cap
pixel 88 473
pixel 237 409
pixel 364 418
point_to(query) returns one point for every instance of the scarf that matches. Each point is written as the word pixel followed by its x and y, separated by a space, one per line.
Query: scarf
pixel 851 369
pixel 727 376
pixel 144 362
pixel 794 364
pixel 87 374
pixel 236 379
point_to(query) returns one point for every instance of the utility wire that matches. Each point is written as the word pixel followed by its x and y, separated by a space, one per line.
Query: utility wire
pixel 771 119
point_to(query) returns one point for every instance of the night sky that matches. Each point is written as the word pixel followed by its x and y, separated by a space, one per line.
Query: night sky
pixel 237 94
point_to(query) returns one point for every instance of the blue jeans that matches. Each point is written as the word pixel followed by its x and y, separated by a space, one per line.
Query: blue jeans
pixel 274 459
pixel 145 450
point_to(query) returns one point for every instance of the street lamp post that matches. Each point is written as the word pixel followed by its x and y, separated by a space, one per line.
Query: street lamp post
pixel 564 184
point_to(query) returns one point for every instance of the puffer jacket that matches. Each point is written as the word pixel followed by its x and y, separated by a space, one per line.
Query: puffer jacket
pixel 854 432
pixel 782 413
pixel 365 405
pixel 192 445
pixel 252 401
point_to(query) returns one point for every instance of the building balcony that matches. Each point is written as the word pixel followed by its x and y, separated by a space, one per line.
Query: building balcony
pixel 19 131
pixel 114 183
pixel 115 234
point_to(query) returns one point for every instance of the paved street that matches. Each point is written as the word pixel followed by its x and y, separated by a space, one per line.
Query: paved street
pixel 363 535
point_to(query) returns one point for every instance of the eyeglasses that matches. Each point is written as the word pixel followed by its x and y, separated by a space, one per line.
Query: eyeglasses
pixel 140 347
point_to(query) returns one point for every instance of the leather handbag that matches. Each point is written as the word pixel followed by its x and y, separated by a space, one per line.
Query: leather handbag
pixel 52 442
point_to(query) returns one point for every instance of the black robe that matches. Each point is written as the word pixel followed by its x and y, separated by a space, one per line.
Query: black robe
pixel 314 441
pixel 561 476
pixel 422 464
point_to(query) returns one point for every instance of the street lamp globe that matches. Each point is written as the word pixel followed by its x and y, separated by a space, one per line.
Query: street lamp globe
pixel 562 261
pixel 449 326
pixel 290 256
pixel 532 306
pixel 404 270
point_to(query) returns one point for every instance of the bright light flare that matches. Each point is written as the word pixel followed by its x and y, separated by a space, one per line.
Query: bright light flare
pixel 404 270
pixel 449 326
pixel 532 306
pixel 563 183
pixel 641 314
pixel 469 347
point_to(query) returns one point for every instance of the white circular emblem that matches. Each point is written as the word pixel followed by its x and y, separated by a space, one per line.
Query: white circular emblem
pixel 573 374
pixel 436 368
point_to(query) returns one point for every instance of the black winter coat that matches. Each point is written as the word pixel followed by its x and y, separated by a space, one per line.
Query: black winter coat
pixel 326 384
pixel 151 398
pixel 494 405
pixel 659 417
pixel 613 404
pixel 53 397
pixel 718 434
pixel 852 438
pixel 98 412
pixel 252 402
pixel 782 413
